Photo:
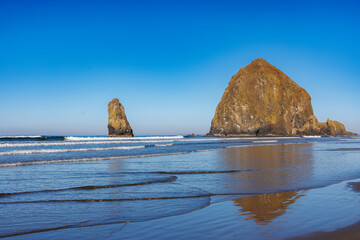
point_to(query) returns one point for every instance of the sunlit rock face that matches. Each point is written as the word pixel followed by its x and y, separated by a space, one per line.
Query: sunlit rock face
pixel 262 101
pixel 118 124
pixel 328 128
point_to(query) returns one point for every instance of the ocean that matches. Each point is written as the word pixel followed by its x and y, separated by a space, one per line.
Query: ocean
pixel 96 187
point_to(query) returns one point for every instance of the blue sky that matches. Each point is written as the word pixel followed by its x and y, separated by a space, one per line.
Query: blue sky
pixel 168 62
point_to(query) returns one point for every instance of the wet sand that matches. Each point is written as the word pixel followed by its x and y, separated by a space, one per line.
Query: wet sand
pixel 325 213
pixel 266 216
pixel 351 232
pixel 348 233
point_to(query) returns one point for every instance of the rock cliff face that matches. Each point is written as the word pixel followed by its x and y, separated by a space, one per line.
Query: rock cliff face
pixel 118 124
pixel 262 101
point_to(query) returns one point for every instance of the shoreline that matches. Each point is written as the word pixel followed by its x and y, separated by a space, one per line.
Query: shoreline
pixel 351 232
pixel 344 229
pixel 233 225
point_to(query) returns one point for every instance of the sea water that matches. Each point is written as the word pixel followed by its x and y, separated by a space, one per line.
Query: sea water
pixel 52 183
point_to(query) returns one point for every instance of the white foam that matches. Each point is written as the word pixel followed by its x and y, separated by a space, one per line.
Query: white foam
pixel 121 138
pixel 201 139
pixel 239 146
pixel 265 141
pixel 234 139
pixel 25 152
pixel 264 138
pixel 86 159
pixel 164 145
pixel 66 143
pixel 311 136
pixel 37 136
pixel 247 145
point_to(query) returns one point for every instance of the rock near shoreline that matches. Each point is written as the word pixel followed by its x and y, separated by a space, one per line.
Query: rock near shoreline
pixel 118 124
pixel 262 101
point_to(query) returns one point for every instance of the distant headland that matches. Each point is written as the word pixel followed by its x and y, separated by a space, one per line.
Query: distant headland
pixel 262 101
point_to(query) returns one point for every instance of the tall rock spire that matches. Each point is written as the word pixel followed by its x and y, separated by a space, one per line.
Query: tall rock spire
pixel 118 124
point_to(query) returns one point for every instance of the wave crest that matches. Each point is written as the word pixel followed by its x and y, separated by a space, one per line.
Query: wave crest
pixel 121 138
pixel 26 152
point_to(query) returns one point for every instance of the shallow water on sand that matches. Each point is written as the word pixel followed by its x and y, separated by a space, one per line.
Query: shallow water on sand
pixel 258 188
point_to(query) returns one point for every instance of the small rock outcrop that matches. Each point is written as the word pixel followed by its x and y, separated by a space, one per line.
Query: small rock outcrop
pixel 262 101
pixel 328 128
pixel 118 124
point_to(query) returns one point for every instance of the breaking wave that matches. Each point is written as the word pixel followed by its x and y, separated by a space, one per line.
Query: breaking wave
pixel 121 138
pixel 164 145
pixel 37 136
pixel 36 144
pixel 25 152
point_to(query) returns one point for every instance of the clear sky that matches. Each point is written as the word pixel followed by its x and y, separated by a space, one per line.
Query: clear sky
pixel 168 62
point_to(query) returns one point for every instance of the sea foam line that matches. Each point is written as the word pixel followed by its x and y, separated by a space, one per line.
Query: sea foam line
pixel 164 145
pixel 265 141
pixel 108 140
pixel 37 136
pixel 121 138
pixel 235 139
pixel 74 160
pixel 3 145
pixel 25 152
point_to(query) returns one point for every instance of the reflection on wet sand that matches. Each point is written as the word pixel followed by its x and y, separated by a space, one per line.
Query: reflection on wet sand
pixel 266 207
pixel 289 164
pixel 286 167
pixel 269 156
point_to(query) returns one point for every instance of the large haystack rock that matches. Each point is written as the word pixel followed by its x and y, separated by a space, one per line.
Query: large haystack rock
pixel 118 124
pixel 262 101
